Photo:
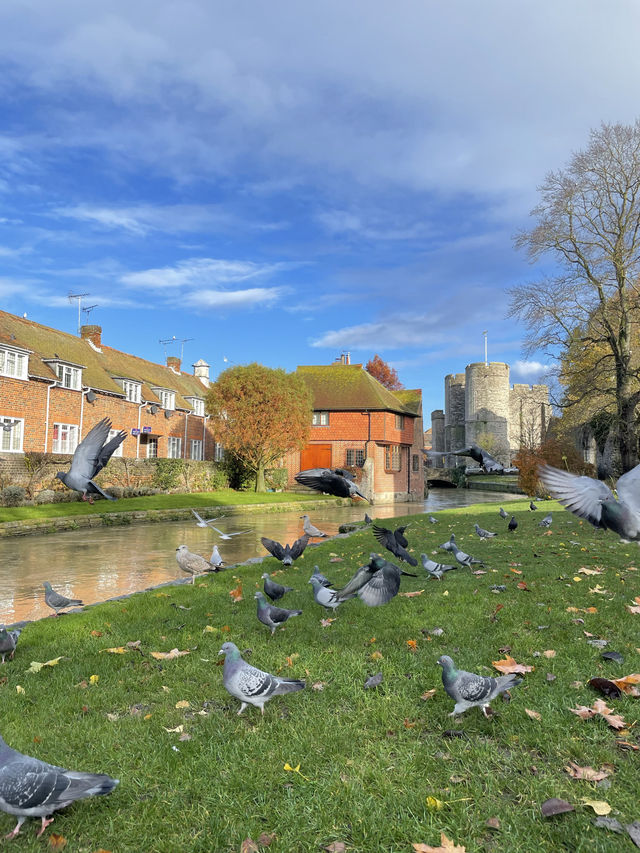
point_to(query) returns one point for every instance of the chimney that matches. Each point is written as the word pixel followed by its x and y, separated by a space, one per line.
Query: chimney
pixel 173 362
pixel 345 358
pixel 93 334
pixel 201 371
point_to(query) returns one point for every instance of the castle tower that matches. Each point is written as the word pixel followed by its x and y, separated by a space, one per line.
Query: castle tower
pixel 487 408
pixel 454 415
pixel 437 436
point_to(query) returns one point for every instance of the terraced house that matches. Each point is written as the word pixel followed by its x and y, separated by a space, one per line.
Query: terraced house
pixel 55 386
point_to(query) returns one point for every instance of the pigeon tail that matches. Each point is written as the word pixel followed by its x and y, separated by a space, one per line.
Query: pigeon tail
pixel 288 686
pixel 97 488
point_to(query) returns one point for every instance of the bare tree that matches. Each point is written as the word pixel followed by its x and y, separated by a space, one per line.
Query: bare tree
pixel 588 222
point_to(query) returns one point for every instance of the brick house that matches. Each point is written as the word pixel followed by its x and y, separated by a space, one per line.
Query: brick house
pixel 55 386
pixel 359 423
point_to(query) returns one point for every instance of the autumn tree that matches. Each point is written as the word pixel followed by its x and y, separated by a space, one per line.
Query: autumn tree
pixel 258 414
pixel 385 374
pixel 588 223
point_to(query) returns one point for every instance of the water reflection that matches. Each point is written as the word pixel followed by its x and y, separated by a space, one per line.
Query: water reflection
pixel 96 564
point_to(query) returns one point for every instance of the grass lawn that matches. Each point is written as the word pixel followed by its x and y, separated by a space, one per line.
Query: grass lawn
pixel 369 759
pixel 224 497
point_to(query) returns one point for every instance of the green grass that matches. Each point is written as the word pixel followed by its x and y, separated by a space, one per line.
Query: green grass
pixel 370 758
pixel 224 497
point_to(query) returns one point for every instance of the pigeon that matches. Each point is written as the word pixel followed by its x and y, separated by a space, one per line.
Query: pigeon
pixel 7 426
pixel 436 570
pixel 468 689
pixel 287 554
pixel 593 500
pixel 215 559
pixel 433 520
pixel 8 642
pixel 323 579
pixel 311 530
pixel 274 590
pixel 384 584
pixel 270 615
pixel 90 457
pixel 367 518
pixel 204 522
pixel 361 577
pixel 56 601
pixel 250 685
pixel 482 533
pixel 532 506
pixel 336 482
pixel 512 524
pixel 392 541
pixel 322 594
pixel 503 513
pixel 192 564
pixel 229 535
pixel 373 681
pixel 546 521
pixel 32 788
pixel 484 459
pixel 463 558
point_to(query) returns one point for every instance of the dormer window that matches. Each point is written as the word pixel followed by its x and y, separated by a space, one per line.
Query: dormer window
pixel 132 391
pixel 14 363
pixel 197 405
pixel 167 398
pixel 69 376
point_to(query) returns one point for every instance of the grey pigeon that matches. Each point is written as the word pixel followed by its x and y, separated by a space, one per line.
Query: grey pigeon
pixel 392 541
pixel 90 457
pixel 8 642
pixel 384 584
pixel 593 500
pixel 56 601
pixel 361 577
pixel 190 563
pixel 7 426
pixel 467 689
pixel 367 518
pixel 229 535
pixel 532 506
pixel 433 520
pixel 546 521
pixel 216 559
pixel 32 788
pixel 250 685
pixel 336 482
pixel 373 681
pixel 482 457
pixel 288 553
pixel 503 513
pixel 271 615
pixel 513 524
pixel 322 595
pixel 323 579
pixel 482 533
pixel 204 522
pixel 436 570
pixel 463 558
pixel 274 590
pixel 310 529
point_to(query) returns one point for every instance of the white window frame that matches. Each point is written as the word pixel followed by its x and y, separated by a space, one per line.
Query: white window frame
pixel 198 406
pixel 218 453
pixel 174 447
pixel 132 391
pixel 152 448
pixel 68 373
pixel 10 436
pixel 14 363
pixel 167 398
pixel 320 419
pixel 197 449
pixel 67 444
pixel 112 434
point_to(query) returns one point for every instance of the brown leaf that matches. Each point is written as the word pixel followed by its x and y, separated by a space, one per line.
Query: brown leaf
pixel 535 715
pixel 96 633
pixel 266 838
pixel 522 585
pixel 174 653
pixel 493 823
pixel 249 846
pixel 508 666
pixel 599 708
pixel 336 847
pixel 587 773
pixel 57 842
pixel 319 685
pixel 429 694
pixel 555 806
pixel 627 683
pixel 411 594
pixel 236 596
pixel 446 846
pixel 550 653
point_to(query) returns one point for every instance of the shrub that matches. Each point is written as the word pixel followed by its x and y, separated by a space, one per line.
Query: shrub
pixel 276 478
pixel 46 496
pixel 218 480
pixel 115 491
pixel 167 473
pixel 13 495
pixel 559 454
pixel 459 476
pixel 66 497
pixel 240 476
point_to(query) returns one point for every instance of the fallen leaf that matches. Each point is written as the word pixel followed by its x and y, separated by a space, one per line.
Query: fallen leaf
pixel 209 629
pixel 585 571
pixel 587 773
pixel 609 823
pixel 493 823
pixel 183 703
pixel 411 594
pixel 336 847
pixel 550 653
pixel 319 685
pixel 118 650
pixel 178 729
pixel 413 645
pixel 291 658
pixel 522 585
pixel 335 560
pixel 96 633
pixel 94 679
pixel 555 806
pixel 508 666
pixel 633 830
pixel 599 806
pixel 598 590
pixel 295 769
pixel 57 842
pixel 134 644
pixel 184 737
pixel 429 694
pixel 174 653
pixel 599 708
pixel 409 724
pixel 446 846
pixel 326 623
pixel 236 594
pixel 627 683
pixel 249 846
pixel 535 715
pixel 266 838
pixel 376 655
pixel 36 666
pixel 434 805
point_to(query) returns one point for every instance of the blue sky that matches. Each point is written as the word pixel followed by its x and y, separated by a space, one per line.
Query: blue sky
pixel 285 181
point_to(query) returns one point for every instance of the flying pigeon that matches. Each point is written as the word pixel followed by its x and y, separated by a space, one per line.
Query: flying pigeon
pixel 270 615
pixel 287 554
pixel 274 590
pixel 482 457
pixel 229 535
pixel 361 577
pixel 467 689
pixel 463 558
pixel 7 426
pixel 32 788
pixel 392 541
pixel 384 584
pixel 250 685
pixel 436 570
pixel 337 482
pixel 433 520
pixel 482 533
pixel 90 457
pixel 215 559
pixel 532 506
pixel 322 579
pixel 204 522
pixel 310 529
pixel 513 523
pixel 192 564
pixel 56 601
pixel 546 521
pixel 322 595
pixel 593 500
pixel 8 642
pixel 503 513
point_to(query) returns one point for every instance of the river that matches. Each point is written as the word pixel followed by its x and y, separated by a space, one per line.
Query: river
pixel 100 563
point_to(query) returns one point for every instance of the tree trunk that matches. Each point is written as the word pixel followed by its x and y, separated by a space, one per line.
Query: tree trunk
pixel 260 486
pixel 627 431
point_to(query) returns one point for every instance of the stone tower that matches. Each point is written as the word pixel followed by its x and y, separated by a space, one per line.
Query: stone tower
pixel 486 417
pixel 437 436
pixel 454 412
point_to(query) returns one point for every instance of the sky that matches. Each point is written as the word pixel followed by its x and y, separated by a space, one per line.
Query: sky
pixel 282 182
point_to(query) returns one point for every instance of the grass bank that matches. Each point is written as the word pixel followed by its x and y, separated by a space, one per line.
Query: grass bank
pixel 197 777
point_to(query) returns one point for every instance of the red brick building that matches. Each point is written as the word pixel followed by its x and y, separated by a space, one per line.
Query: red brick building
pixel 55 386
pixel 357 422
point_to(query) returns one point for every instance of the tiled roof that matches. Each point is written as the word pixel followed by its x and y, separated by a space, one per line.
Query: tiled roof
pixel 347 387
pixel 411 399
pixel 99 367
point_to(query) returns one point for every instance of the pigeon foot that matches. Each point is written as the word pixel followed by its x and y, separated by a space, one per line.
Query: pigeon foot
pixel 15 830
pixel 45 824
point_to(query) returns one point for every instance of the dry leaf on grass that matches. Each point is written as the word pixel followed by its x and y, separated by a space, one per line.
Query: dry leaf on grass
pixel 236 594
pixel 118 650
pixel 249 846
pixel 588 773
pixel 550 653
pixel 57 842
pixel 555 806
pixel 36 666
pixel 599 806
pixel 174 653
pixel 429 694
pixel 266 838
pixel 335 847
pixel 599 708
pixel 319 685
pixel 446 846
pixel 326 623
pixel 628 683
pixel 535 715
pixel 509 665
pixel 411 594
pixel 634 608
pixel 183 703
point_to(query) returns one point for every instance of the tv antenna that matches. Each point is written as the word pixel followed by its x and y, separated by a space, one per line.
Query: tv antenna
pixel 89 309
pixel 79 297
pixel 173 340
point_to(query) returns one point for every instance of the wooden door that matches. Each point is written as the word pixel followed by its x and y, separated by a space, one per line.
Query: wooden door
pixel 315 456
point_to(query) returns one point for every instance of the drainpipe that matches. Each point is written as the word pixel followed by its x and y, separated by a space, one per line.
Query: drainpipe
pixel 204 436
pixel 84 390
pixel 46 417
pixel 140 408
pixel 186 421
pixel 367 442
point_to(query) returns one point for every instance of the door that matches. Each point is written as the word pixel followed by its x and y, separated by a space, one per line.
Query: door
pixel 315 456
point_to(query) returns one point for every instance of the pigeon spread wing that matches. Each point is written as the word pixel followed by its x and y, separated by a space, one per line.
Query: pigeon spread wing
pixel 580 495
pixel 298 546
pixel 87 453
pixel 107 451
pixel 628 488
pixel 382 587
pixel 384 536
pixel 274 548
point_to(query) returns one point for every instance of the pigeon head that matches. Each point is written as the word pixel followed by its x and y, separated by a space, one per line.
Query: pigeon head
pixel 47 585
pixel 445 662
pixel 229 649
pixel 257 594
pixel 265 575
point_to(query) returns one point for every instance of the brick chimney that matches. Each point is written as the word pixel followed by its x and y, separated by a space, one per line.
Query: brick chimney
pixel 93 334
pixel 201 370
pixel 173 362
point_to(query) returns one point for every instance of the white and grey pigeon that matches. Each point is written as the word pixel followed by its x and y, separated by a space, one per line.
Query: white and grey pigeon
pixel 56 601
pixel 323 579
pixel 8 642
pixel 288 553
pixel 433 520
pixel 311 530
pixel 482 533
pixel 322 595
pixel 90 457
pixel 204 522
pixel 594 501
pixel 270 615
pixel 546 521
pixel 7 426
pixel 190 563
pixel 250 685
pixel 274 590
pixel 436 570
pixel 463 558
pixel 503 513
pixel 32 788
pixel 468 689
pixel 216 559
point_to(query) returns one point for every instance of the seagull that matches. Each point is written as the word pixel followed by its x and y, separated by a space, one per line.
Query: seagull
pixel 384 584
pixel 336 482
pixel 463 558
pixel 250 685
pixel 8 642
pixel 468 689
pixel 513 523
pixel 229 535
pixel 503 513
pixel 322 595
pixel 274 590
pixel 90 457
pixel 215 559
pixel 32 788
pixel 532 506
pixel 190 563
pixel 288 553
pixel 392 541
pixel 436 570
pixel 204 522
pixel 310 529
pixel 546 521
pixel 270 615
pixel 56 601
pixel 482 533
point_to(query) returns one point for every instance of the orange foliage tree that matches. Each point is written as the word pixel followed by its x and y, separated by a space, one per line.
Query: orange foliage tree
pixel 381 371
pixel 555 452
pixel 259 413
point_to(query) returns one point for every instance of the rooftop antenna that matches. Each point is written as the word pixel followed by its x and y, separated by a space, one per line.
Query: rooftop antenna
pixel 174 340
pixel 89 309
pixel 79 297
pixel 485 348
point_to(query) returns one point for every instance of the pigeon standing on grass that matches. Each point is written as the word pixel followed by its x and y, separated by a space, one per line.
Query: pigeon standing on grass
pixel 274 590
pixel 288 553
pixel 8 642
pixel 323 580
pixel 270 615
pixel 32 788
pixel 436 570
pixel 433 520
pixel 467 689
pixel 90 457
pixel 513 524
pixel 311 530
pixel 546 521
pixel 191 564
pixel 503 513
pixel 56 601
pixel 532 506
pixel 395 541
pixel 337 482
pixel 250 685
pixel 463 558
pixel 322 595
pixel 482 533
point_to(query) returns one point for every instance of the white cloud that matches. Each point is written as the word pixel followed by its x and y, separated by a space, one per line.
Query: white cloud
pixel 252 297
pixel 200 272
pixel 392 333
pixel 529 370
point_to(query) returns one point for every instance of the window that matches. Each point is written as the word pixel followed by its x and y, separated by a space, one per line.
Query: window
pixel 112 434
pixel 11 438
pixel 174 448
pixel 320 419
pixel 167 398
pixel 218 454
pixel 399 421
pixel 13 363
pixel 415 463
pixel 198 406
pixel 355 457
pixel 132 391
pixel 69 376
pixel 152 448
pixel 392 458
pixel 65 438
pixel 196 450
